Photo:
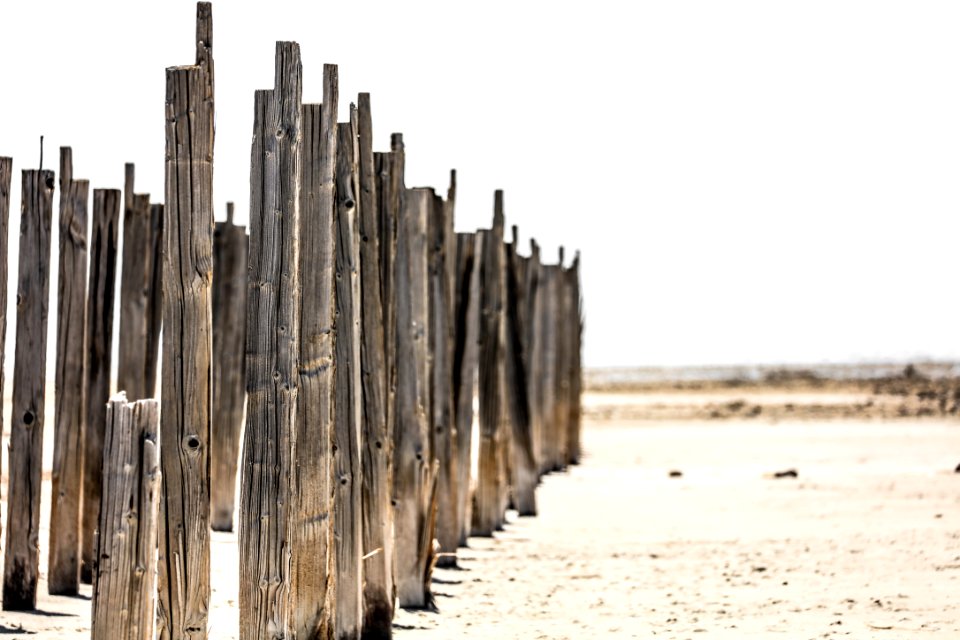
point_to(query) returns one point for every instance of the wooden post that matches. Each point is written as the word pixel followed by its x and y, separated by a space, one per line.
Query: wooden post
pixel 136 291
pixel 534 331
pixel 186 387
pixel 63 574
pixel 375 441
pixel 469 253
pixel 548 325
pixel 515 377
pixel 443 427
pixel 124 586
pixel 574 318
pixel 99 346
pixel 6 173
pixel 22 553
pixel 561 404
pixel 348 524
pixel 312 530
pixel 229 311
pixel 273 341
pixel 154 313
pixel 490 489
pixel 411 463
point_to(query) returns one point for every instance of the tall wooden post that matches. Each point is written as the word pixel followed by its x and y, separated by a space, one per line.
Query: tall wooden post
pixel 574 319
pixel 469 254
pixel 313 570
pixel 273 341
pixel 99 345
pixel 63 574
pixel 6 173
pixel 548 362
pixel 154 313
pixel 229 313
pixel 21 568
pixel 186 387
pixel 411 463
pixel 136 291
pixel 561 411
pixel 124 586
pixel 375 441
pixel 534 331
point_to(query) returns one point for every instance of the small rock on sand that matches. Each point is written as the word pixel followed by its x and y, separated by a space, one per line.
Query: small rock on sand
pixel 676 474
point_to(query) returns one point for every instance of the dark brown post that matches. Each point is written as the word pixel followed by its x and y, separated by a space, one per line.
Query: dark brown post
pixel 229 313
pixel 124 586
pixel 548 357
pixel 154 313
pixel 411 464
pixel 469 253
pixel 561 410
pixel 574 318
pixel 6 172
pixel 136 291
pixel 186 387
pixel 375 441
pixel 517 399
pixel 534 331
pixel 273 343
pixel 22 554
pixel 63 574
pixel 312 530
pixel 99 345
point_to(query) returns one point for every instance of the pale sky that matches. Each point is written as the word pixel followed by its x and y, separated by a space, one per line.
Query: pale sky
pixel 748 181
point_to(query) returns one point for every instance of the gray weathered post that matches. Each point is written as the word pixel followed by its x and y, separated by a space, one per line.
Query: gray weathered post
pixel 312 595
pixel 6 172
pixel 348 523
pixel 124 586
pixel 21 568
pixel 412 472
pixel 229 311
pixel 391 194
pixel 186 387
pixel 99 346
pixel 63 573
pixel 136 291
pixel 273 334
pixel 469 254
pixel 376 444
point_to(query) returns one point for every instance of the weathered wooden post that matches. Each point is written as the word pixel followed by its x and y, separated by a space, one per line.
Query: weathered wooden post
pixel 6 172
pixel 229 311
pixel 273 344
pixel 469 254
pixel 348 523
pixel 99 346
pixel 490 482
pixel 534 341
pixel 561 410
pixel 154 312
pixel 63 573
pixel 186 387
pixel 412 472
pixel 124 586
pixel 136 291
pixel 375 442
pixel 443 426
pixel 574 320
pixel 22 552
pixel 548 361
pixel 517 399
pixel 312 529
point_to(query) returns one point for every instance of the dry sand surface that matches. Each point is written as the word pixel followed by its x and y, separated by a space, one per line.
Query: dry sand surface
pixel 865 543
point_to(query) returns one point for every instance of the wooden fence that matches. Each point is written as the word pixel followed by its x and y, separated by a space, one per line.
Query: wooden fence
pixel 358 326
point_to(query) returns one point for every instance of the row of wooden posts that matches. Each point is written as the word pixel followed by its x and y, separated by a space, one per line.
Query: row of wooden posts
pixel 355 326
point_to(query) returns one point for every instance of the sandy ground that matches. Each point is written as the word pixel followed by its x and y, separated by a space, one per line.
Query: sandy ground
pixel 865 543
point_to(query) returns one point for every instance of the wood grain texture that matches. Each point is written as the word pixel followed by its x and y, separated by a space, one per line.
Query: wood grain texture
pixel 376 445
pixel 229 316
pixel 6 173
pixel 469 253
pixel 136 291
pixel 186 386
pixel 312 529
pixel 273 334
pixel 21 569
pixel 124 586
pixel 412 470
pixel 63 573
pixel 348 523
pixel 101 291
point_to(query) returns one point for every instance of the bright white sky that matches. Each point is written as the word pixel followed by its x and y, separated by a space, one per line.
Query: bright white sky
pixel 748 181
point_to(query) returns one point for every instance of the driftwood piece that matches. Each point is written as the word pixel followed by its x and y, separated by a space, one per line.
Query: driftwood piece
pixel 101 290
pixel 186 386
pixel 229 314
pixel 411 467
pixel 273 330
pixel 63 573
pixel 21 569
pixel 376 445
pixel 124 586
pixel 312 530
pixel 469 253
